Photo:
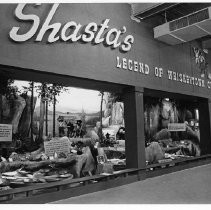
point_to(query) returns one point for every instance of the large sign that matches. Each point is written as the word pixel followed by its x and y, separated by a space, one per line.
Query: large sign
pixel 5 132
pixel 89 33
pixel 143 68
pixel 99 42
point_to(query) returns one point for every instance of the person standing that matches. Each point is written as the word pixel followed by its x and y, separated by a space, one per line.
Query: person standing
pixel 61 128
pixel 70 128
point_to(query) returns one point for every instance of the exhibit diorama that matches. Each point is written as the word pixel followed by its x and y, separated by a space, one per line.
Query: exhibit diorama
pixel 47 144
pixel 91 90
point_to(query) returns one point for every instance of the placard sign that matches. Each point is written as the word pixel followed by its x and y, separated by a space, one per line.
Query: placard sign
pixel 58 146
pixel 5 132
pixel 176 127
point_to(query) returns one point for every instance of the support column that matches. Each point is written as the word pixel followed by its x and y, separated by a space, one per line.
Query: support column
pixel 205 126
pixel 134 127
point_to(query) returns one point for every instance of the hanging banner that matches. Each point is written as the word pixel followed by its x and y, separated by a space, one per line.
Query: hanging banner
pixel 5 132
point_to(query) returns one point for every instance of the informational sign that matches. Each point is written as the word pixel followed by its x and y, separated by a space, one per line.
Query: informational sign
pixel 58 146
pixel 5 132
pixel 176 127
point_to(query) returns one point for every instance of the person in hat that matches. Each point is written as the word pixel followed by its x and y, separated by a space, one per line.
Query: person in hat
pixel 78 129
pixel 70 129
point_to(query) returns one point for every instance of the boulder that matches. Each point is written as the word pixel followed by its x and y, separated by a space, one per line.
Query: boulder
pixel 166 109
pixel 117 115
pixel 162 134
pixel 105 122
pixel 93 135
pixel 108 110
pixel 77 168
pixel 154 152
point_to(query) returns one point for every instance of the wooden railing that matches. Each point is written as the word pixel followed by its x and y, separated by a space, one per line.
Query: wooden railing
pixel 178 161
pixel 27 192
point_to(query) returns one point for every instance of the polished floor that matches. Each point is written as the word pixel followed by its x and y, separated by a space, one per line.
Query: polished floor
pixel 191 186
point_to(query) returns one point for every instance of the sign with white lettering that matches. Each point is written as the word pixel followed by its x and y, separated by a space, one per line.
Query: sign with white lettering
pixel 58 146
pixel 114 48
pixel 89 33
pixel 176 127
pixel 5 132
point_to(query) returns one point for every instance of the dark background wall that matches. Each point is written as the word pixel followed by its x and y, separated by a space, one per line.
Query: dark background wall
pixel 98 62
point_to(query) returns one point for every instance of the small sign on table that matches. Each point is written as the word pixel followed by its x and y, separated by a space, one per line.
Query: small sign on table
pixel 176 127
pixel 56 145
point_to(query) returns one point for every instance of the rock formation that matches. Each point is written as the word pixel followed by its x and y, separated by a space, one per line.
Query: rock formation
pixel 12 111
pixel 114 111
pixel 17 111
pixel 25 121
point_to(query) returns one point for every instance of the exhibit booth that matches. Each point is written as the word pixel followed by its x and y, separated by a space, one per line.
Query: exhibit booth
pixel 165 91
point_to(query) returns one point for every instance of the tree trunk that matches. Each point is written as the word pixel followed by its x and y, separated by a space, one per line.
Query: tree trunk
pixel 1 108
pixel 36 165
pixel 32 109
pixel 24 126
pixel 101 117
pixel 46 118
pixel 42 115
pixel 54 115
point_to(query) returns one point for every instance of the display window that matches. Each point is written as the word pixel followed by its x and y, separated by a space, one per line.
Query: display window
pixel 51 132
pixel 172 129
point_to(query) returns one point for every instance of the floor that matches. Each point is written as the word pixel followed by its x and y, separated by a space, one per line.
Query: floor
pixel 190 186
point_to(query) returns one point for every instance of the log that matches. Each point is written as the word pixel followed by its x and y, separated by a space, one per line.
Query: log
pixel 85 141
pixel 10 166
pixel 65 162
pixel 33 165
